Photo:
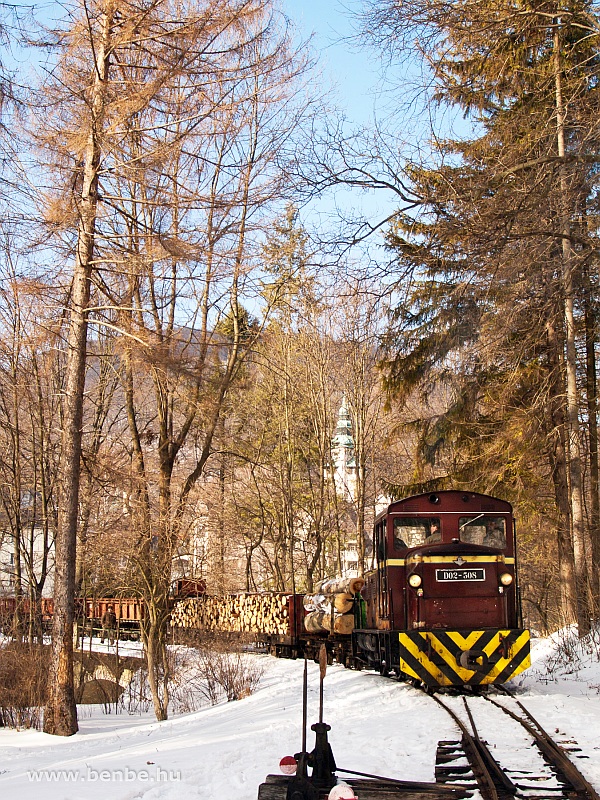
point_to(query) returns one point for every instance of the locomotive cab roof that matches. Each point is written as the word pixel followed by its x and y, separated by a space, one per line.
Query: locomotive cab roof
pixel 449 500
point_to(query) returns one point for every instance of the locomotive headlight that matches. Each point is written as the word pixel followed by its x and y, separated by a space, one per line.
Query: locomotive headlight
pixel 415 580
pixel 506 579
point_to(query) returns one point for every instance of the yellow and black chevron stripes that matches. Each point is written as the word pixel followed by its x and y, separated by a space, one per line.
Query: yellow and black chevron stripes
pixel 455 658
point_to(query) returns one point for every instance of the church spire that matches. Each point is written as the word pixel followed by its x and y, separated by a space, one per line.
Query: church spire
pixel 342 448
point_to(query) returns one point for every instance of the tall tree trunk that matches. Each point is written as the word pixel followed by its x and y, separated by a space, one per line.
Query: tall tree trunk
pixel 156 656
pixel 558 461
pixel 221 532
pixel 578 527
pixel 361 487
pixel 60 716
pixel 17 488
pixel 17 626
pixel 592 410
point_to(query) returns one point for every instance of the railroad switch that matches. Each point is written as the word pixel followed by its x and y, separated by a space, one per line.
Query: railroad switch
pixel 321 759
pixel 322 762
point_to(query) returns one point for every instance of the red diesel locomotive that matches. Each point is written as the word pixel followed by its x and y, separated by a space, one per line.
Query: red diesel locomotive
pixel 442 605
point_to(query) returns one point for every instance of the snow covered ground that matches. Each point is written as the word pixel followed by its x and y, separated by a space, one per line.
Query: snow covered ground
pixel 224 752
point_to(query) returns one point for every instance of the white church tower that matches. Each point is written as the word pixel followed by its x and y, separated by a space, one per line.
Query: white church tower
pixel 344 477
pixel 342 451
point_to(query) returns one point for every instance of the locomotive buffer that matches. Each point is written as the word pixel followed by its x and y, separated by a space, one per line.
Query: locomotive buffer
pixel 323 784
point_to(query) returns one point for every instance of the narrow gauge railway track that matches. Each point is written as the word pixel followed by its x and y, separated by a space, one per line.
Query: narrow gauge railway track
pixel 475 760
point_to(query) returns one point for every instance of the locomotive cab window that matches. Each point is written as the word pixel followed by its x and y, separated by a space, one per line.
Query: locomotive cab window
pixel 483 529
pixel 414 531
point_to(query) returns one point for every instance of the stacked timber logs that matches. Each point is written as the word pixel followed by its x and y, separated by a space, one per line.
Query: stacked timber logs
pixel 328 609
pixel 334 585
pixel 252 613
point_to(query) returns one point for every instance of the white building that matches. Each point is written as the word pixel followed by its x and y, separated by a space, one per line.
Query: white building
pixel 35 553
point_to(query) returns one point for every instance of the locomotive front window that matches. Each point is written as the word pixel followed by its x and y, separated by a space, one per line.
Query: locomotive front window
pixel 483 529
pixel 414 531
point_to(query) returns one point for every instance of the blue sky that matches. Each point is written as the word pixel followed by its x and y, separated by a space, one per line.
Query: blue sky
pixel 354 73
pixel 364 94
pixel 353 70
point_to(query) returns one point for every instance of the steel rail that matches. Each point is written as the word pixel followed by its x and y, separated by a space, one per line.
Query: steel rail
pixel 554 753
pixel 497 774
pixel 475 755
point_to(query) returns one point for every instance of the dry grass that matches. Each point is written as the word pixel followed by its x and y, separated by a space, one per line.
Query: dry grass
pixel 216 670
pixel 23 680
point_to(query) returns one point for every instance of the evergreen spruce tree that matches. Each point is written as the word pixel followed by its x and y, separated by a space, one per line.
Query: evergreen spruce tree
pixel 507 231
